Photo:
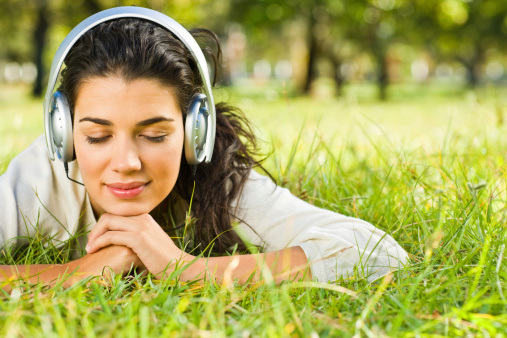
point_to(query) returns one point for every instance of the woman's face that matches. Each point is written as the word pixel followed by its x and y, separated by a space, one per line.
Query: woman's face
pixel 128 138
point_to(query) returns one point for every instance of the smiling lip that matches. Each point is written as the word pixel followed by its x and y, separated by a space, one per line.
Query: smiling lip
pixel 127 190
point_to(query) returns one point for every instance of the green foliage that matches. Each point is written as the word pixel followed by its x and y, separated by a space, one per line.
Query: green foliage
pixel 434 179
pixel 463 31
pixel 328 32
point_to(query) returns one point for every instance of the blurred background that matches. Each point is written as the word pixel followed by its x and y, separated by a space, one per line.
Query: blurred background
pixel 353 73
pixel 314 47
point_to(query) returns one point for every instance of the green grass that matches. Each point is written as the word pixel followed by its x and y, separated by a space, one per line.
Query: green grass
pixel 429 167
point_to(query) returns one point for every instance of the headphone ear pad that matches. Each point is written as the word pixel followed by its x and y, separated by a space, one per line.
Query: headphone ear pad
pixel 61 127
pixel 196 129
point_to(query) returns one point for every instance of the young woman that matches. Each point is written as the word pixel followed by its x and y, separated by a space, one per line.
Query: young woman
pixel 133 81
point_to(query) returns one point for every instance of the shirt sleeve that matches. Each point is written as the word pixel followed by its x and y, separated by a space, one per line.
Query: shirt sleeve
pixel 335 245
pixel 36 197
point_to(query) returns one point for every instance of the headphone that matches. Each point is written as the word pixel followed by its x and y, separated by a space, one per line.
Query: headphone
pixel 200 124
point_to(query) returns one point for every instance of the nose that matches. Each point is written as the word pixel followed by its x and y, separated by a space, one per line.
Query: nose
pixel 125 158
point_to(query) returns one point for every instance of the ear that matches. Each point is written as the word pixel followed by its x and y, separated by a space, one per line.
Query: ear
pixel 196 129
pixel 60 125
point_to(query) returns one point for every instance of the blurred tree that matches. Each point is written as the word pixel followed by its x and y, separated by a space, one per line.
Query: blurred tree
pixel 25 25
pixel 23 34
pixel 15 28
pixel 331 31
pixel 39 40
pixel 331 28
pixel 463 31
pixel 374 26
pixel 268 24
pixel 317 35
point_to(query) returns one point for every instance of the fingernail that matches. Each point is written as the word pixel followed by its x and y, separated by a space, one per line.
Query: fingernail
pixel 87 247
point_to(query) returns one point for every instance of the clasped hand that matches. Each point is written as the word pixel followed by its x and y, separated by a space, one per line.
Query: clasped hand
pixel 154 248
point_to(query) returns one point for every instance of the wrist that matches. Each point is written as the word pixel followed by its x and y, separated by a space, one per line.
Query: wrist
pixel 73 272
pixel 193 268
pixel 197 269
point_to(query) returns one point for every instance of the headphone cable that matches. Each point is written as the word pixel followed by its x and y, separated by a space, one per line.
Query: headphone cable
pixel 66 166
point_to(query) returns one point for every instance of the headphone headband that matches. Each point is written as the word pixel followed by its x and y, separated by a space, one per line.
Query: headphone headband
pixel 131 12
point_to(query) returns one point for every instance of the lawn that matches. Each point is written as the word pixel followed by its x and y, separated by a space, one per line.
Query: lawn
pixel 428 166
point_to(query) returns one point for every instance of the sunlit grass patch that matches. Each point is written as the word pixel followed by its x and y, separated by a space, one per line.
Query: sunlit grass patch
pixel 430 171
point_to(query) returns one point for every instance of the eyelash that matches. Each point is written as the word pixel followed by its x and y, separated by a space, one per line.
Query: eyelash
pixel 156 139
pixel 97 140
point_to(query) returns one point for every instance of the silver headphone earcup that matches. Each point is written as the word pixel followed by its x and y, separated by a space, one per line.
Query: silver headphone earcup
pixel 196 130
pixel 61 127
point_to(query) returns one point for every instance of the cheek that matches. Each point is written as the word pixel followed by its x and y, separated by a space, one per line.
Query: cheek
pixel 165 161
pixel 90 161
pixel 83 158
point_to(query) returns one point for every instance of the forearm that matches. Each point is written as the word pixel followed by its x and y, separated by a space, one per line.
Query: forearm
pixel 117 259
pixel 287 264
pixel 37 273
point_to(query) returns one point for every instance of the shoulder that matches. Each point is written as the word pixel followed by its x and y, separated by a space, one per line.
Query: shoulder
pixel 257 182
pixel 35 191
pixel 260 196
pixel 31 165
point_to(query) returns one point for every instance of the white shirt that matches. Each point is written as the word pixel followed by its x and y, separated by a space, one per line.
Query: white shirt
pixel 35 190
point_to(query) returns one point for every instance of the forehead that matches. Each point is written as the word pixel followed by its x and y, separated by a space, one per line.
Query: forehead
pixel 115 98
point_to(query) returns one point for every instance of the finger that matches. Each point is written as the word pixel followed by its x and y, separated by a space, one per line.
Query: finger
pixel 109 222
pixel 124 238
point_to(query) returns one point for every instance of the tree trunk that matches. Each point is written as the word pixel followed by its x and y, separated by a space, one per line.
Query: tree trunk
pixel 339 80
pixel 39 39
pixel 382 73
pixel 472 77
pixel 472 64
pixel 312 54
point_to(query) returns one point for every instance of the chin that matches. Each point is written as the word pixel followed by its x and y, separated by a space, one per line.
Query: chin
pixel 128 209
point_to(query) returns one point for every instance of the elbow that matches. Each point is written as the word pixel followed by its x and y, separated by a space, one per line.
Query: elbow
pixel 353 261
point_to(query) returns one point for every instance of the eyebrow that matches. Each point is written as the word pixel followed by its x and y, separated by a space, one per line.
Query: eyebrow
pixel 97 121
pixel 154 120
pixel 139 124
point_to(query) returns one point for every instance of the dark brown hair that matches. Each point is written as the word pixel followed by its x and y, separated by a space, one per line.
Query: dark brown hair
pixel 134 49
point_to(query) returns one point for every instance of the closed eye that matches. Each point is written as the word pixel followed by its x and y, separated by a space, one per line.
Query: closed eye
pixel 156 139
pixel 95 140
